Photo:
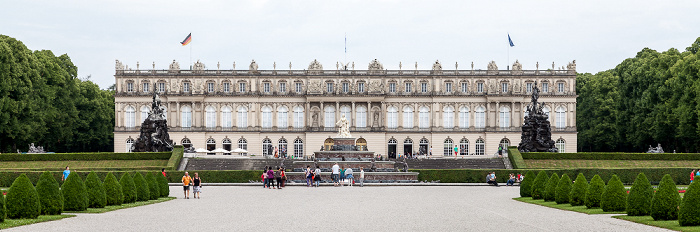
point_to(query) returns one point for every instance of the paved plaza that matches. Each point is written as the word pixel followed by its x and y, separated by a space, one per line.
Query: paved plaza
pixel 433 208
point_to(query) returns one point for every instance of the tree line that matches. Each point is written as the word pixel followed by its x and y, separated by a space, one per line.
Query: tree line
pixel 43 102
pixel 649 99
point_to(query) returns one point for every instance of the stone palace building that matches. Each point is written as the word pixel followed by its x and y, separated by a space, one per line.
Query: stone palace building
pixel 294 112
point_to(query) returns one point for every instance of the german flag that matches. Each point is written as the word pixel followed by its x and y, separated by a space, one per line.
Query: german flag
pixel 187 40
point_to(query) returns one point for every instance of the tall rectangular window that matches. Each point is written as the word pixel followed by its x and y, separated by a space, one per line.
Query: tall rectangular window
pixel 266 87
pixel 529 87
pixel 448 87
pixel 560 86
pixel 361 87
pixel 129 87
pixel 480 87
pixel 392 87
pixel 145 87
pixel 423 87
pixel 210 87
pixel 408 87
pixel 329 87
pixel 346 87
pixel 161 87
pixel 283 87
pixel 504 87
pixel 241 87
pixel 298 87
pixel 227 87
pixel 185 87
pixel 464 87
pixel 545 87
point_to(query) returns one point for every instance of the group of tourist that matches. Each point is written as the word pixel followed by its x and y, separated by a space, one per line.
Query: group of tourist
pixel 512 179
pixel 269 177
pixel 693 174
pixel 339 176
pixel 195 182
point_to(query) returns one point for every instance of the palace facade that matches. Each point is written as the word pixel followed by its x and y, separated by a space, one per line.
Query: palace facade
pixel 294 112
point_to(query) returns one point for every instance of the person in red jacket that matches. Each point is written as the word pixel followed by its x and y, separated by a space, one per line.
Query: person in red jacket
pixel 692 176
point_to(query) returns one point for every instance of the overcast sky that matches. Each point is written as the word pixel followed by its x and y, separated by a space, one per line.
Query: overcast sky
pixel 597 34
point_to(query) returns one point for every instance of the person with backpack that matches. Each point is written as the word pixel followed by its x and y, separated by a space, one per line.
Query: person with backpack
pixel 500 150
pixel 317 176
pixel 309 175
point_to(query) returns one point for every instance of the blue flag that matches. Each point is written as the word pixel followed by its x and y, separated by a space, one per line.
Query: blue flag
pixel 510 41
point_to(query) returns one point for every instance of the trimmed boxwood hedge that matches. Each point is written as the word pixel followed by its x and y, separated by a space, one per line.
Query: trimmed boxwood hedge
pixel 610 156
pixel 539 185
pixel 689 214
pixel 578 190
pixel 2 208
pixel 563 194
pixel 153 187
pixel 86 156
pixel 176 157
pixel 74 193
pixel 614 196
pixel 49 195
pixel 142 191
pixel 113 190
pixel 664 205
pixel 23 200
pixel 595 192
pixel 550 191
pixel 128 188
pixel 163 185
pixel 639 199
pixel 526 184
pixel 516 159
pixel 95 191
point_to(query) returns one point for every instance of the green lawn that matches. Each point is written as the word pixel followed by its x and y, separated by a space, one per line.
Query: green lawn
pixel 647 220
pixel 610 163
pixel 20 222
pixel 551 204
pixel 123 206
pixel 82 164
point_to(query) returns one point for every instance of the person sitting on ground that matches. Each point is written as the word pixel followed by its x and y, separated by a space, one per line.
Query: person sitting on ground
pixel 491 179
pixel 511 180
pixel 348 173
pixel 334 174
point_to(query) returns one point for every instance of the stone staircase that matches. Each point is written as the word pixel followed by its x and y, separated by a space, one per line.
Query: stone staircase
pixel 495 163
pixel 258 164
pixel 234 164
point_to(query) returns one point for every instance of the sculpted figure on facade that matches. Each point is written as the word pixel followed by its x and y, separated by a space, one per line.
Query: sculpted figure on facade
pixel 343 127
pixel 315 86
pixel 437 67
pixel 517 66
pixel 315 67
pixel 375 86
pixel 118 65
pixel 253 67
pixel 492 68
pixel 198 66
pixel 375 66
pixel 571 67
pixel 175 86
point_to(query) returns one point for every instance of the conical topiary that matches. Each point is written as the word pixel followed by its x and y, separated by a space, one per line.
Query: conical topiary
pixel 142 192
pixel 563 190
pixel 578 191
pixel 538 186
pixel 22 199
pixel 664 205
pixel 153 187
pixel 639 199
pixel 595 192
pixel 113 190
pixel 74 193
pixel 163 185
pixel 95 191
pixel 128 188
pixel 49 194
pixel 614 196
pixel 550 191
pixel 689 214
pixel 526 185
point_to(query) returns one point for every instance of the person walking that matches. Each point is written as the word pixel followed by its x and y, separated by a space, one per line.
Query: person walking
pixel 264 178
pixel 500 150
pixel 284 177
pixel 348 173
pixel 309 175
pixel 362 177
pixel 271 178
pixel 317 176
pixel 456 149
pixel 335 170
pixel 186 179
pixel 197 188
pixel 65 174
pixel 278 177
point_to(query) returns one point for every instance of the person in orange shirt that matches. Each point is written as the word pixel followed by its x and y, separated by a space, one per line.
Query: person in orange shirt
pixel 186 179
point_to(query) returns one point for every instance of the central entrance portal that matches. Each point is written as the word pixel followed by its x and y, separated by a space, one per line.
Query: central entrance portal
pixel 392 149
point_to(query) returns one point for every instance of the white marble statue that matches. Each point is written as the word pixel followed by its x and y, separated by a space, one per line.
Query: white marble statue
pixel 343 127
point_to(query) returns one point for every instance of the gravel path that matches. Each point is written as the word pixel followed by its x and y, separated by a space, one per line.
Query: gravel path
pixel 394 208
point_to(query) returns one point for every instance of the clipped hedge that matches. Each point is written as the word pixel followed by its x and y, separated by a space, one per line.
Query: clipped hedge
pixel 176 157
pixel 86 156
pixel 550 191
pixel 563 193
pixel 153 187
pixel 526 184
pixel 49 195
pixel 142 191
pixel 639 199
pixel 74 193
pixel 610 156
pixel 113 190
pixel 578 190
pixel 163 185
pixel 2 209
pixel 128 188
pixel 538 185
pixel 664 205
pixel 614 196
pixel 95 191
pixel 22 200
pixel 516 159
pixel 689 214
pixel 594 192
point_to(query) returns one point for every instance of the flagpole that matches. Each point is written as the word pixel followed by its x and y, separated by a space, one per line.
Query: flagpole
pixel 508 64
pixel 191 51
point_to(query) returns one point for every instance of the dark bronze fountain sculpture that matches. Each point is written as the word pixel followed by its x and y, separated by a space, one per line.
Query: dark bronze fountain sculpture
pixel 154 131
pixel 537 131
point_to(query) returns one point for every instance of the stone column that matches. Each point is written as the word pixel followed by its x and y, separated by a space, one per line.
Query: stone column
pixel 178 114
pixel 218 115
pixel 416 112
pixel 274 115
pixel 337 112
pixel 353 116
pixel 512 114
pixel 487 115
pixel 498 114
pixel 400 115
pixel 234 118
pixel 322 116
pixel 307 114
pixel 382 114
pixel 369 116
pixel 455 116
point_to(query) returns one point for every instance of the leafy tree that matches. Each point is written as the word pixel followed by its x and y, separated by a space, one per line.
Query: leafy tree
pixel 664 205
pixel 550 191
pixel 74 193
pixel 614 196
pixel 689 214
pixel 163 185
pixel 526 185
pixel 563 193
pixel 578 191
pixel 128 188
pixel 22 199
pixel 595 192
pixel 95 191
pixel 49 194
pixel 153 187
pixel 113 190
pixel 142 190
pixel 639 199
pixel 538 186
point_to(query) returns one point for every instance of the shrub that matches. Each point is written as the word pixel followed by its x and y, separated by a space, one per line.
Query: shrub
pixel 563 190
pixel 74 193
pixel 49 194
pixel 664 205
pixel 538 186
pixel 689 214
pixel 128 188
pixel 163 185
pixel 639 199
pixel 2 208
pixel 153 187
pixel 142 191
pixel 113 190
pixel 610 156
pixel 594 192
pixel 614 196
pixel 578 191
pixel 550 191
pixel 87 156
pixel 22 199
pixel 95 191
pixel 526 185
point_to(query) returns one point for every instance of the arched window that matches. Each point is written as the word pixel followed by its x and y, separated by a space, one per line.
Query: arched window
pixel 129 143
pixel 361 117
pixel 298 148
pixel 545 110
pixel 463 117
pixel 391 148
pixel 266 117
pixel 504 116
pixel 329 117
pixel 408 117
pixel 242 118
pixel 345 110
pixel 186 142
pixel 448 117
pixel 447 147
pixel 144 113
pixel 464 146
pixel 361 144
pixel 561 117
pixel 186 117
pixel 561 145
pixel 407 146
pixel 227 145
pixel 504 143
pixel 267 147
pixel 424 117
pixel 480 146
pixel 211 117
pixel 282 147
pixel 211 145
pixel 130 119
pixel 480 121
pixel 226 117
pixel 298 117
pixel 282 117
pixel 243 144
pixel 328 144
pixel 423 146
pixel 392 117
